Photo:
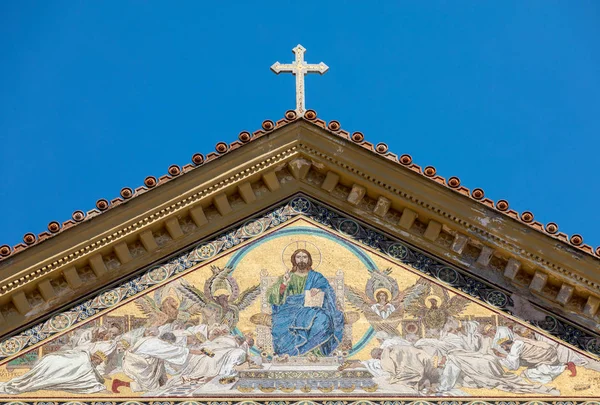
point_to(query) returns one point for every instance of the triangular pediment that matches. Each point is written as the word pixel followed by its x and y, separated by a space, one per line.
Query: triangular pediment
pixel 394 322
pixel 505 263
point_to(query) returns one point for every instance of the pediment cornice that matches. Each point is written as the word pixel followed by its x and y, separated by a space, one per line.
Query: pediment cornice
pixel 299 156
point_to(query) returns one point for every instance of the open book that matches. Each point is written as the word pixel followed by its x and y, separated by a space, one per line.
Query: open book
pixel 314 301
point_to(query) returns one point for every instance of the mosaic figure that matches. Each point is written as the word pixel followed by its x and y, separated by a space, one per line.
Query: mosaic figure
pixel 221 300
pixel 305 317
pixel 382 303
pixel 71 371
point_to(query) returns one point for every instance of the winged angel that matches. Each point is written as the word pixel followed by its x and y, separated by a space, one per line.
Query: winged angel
pixel 384 305
pixel 436 307
pixel 382 302
pixel 220 301
pixel 167 305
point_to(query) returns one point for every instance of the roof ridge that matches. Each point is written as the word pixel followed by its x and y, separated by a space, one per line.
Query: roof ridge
pixel 268 126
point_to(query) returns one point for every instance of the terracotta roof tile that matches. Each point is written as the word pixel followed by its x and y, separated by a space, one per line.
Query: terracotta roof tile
pixel 334 127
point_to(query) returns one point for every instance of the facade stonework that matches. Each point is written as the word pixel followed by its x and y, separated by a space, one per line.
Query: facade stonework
pixel 379 205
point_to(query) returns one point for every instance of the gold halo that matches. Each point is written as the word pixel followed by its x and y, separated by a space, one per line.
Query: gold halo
pixel 433 297
pixel 502 340
pixel 314 251
pixel 385 290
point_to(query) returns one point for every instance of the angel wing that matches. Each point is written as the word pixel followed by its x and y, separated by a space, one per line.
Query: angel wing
pixel 408 298
pixel 389 324
pixel 196 296
pixel 456 305
pixel 413 294
pixel 211 311
pixel 220 278
pixel 358 299
pixel 247 297
pixel 149 308
pixel 187 306
pixel 382 278
pixel 232 313
pixel 413 302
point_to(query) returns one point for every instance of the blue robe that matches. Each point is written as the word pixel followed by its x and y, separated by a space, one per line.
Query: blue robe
pixel 297 329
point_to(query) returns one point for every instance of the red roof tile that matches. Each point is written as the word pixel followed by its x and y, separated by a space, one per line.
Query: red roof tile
pixel 222 148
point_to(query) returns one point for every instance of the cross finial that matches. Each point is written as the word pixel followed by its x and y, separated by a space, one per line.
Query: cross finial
pixel 299 68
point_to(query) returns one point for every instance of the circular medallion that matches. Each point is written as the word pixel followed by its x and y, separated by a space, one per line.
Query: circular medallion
pixel 300 204
pixel 349 227
pixel 206 251
pixel 548 324
pixel 10 346
pixel 158 274
pixel 109 298
pixel 447 275
pixel 254 227
pixel 497 299
pixel 593 346
pixel 60 322
pixel 397 251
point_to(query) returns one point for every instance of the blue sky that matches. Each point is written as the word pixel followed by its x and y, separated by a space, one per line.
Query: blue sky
pixel 95 96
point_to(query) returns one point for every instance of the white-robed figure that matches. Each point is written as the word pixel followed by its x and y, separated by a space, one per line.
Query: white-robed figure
pixel 472 337
pixel 108 348
pixel 383 307
pixel 402 368
pixel 539 357
pixel 464 337
pixel 217 357
pixel 487 338
pixel 450 339
pixel 567 355
pixel 373 364
pixel 386 340
pixel 81 338
pixel 134 335
pixel 408 367
pixel 467 366
pixel 144 362
pixel 72 371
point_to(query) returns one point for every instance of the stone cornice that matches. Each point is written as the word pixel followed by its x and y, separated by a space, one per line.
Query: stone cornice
pixel 510 237
pixel 298 157
pixel 333 127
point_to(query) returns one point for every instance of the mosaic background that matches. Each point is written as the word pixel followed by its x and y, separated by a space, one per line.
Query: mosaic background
pixel 345 247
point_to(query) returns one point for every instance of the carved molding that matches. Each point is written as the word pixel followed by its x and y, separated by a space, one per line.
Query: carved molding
pixel 279 168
